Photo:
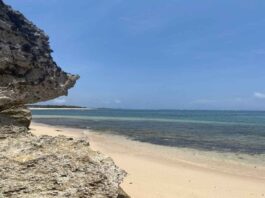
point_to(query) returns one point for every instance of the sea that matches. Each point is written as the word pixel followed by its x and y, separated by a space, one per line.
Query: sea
pixel 240 132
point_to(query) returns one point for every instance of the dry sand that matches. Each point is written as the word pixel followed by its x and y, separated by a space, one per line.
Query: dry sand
pixel 163 172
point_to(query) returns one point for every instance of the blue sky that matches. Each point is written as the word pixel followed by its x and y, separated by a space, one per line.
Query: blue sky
pixel 157 54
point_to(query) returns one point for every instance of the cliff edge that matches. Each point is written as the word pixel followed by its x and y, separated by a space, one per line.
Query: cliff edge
pixel 44 166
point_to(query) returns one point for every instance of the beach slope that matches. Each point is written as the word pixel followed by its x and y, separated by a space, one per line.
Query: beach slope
pixel 162 172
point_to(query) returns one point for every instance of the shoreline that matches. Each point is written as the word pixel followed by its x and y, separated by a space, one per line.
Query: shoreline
pixel 54 108
pixel 160 171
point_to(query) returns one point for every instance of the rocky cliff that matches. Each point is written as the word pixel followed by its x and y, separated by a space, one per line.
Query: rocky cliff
pixel 41 166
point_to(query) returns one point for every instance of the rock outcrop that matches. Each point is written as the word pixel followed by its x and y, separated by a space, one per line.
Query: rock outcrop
pixel 45 166
pixel 36 167
pixel 27 71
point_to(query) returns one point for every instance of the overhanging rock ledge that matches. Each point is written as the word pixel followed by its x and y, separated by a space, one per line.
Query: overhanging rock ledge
pixel 44 166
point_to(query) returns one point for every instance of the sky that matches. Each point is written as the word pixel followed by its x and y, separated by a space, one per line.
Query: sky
pixel 157 54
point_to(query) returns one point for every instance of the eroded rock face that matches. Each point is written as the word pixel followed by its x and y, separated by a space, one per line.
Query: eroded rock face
pixel 45 166
pixel 27 71
pixel 55 167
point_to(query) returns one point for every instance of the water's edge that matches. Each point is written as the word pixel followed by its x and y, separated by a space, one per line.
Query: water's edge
pixel 235 132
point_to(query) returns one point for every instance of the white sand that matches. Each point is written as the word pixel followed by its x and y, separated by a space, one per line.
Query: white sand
pixel 163 172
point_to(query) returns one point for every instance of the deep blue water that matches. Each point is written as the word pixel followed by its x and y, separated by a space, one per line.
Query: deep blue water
pixel 223 131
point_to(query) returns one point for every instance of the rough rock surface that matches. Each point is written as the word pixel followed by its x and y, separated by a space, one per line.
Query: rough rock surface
pixel 44 166
pixel 28 72
pixel 55 167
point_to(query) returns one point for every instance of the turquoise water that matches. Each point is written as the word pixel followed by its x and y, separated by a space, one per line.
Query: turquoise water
pixel 223 131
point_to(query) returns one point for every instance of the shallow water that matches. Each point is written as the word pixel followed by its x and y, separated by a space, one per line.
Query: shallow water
pixel 222 131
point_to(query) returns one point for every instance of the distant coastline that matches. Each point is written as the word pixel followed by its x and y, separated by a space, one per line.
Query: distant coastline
pixel 54 107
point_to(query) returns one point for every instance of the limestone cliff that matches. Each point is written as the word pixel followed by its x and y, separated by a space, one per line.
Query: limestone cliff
pixel 41 166
pixel 27 71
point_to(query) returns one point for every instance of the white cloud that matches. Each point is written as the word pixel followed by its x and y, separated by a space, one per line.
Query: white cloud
pixel 59 101
pixel 259 95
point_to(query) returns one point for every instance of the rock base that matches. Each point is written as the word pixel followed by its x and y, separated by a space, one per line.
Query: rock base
pixel 46 166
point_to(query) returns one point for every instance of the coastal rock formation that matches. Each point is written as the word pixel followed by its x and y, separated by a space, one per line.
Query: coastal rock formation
pixel 55 167
pixel 45 166
pixel 28 72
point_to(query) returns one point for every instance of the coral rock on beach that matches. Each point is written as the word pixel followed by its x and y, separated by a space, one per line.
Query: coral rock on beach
pixel 44 166
pixel 55 167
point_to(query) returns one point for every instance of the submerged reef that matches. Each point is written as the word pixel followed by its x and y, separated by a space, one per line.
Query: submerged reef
pixel 44 166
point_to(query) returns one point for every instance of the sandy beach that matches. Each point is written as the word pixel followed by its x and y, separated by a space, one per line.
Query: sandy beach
pixel 164 172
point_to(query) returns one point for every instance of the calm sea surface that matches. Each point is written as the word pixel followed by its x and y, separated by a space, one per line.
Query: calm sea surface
pixel 223 131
